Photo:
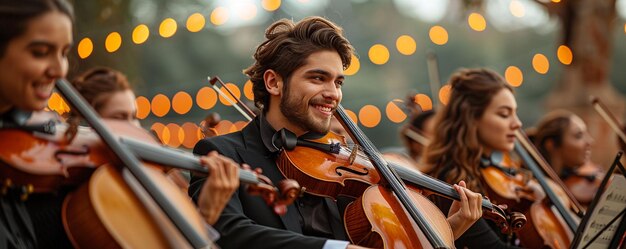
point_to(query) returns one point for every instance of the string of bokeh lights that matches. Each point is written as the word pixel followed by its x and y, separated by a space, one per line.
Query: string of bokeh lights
pixel 206 98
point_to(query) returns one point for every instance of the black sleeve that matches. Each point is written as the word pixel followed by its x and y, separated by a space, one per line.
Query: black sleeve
pixel 237 230
pixel 480 235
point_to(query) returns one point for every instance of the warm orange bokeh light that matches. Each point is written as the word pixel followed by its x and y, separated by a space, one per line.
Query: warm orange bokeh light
pixel 424 101
pixel 438 35
pixel 195 22
pixel 160 105
pixel 247 90
pixel 541 63
pixel 168 28
pixel 224 127
pixel 57 103
pixel 406 45
pixel 369 116
pixel 54 102
pixel 565 55
pixel 393 111
pixel 177 135
pixel 352 116
pixel 219 16
pixel 143 107
pixel 234 89
pixel 158 130
pixel 354 67
pixel 270 5
pixel 166 135
pixel 477 22
pixel 141 34
pixel 444 94
pixel 379 54
pixel 206 98
pixel 113 42
pixel 85 48
pixel 181 103
pixel 514 76
pixel 192 135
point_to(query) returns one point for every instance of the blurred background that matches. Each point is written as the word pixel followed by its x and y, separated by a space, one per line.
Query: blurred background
pixel 555 53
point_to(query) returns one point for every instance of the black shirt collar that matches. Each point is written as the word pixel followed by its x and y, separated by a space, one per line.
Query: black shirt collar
pixel 268 135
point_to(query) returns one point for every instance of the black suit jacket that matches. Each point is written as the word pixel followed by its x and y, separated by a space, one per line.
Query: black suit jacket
pixel 246 221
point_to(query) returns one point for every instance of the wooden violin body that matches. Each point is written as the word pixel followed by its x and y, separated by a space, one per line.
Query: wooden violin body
pixel 545 228
pixel 584 182
pixel 329 175
pixel 45 162
pixel 376 220
pixel 106 213
pixel 385 193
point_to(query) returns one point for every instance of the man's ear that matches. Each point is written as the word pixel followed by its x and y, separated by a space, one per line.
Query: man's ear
pixel 273 82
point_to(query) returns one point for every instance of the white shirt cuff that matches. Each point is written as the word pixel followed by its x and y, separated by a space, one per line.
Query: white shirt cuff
pixel 335 244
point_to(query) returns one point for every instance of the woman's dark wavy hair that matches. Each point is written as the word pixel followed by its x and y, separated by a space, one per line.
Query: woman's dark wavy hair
pixel 455 149
pixel 15 15
pixel 287 47
pixel 551 127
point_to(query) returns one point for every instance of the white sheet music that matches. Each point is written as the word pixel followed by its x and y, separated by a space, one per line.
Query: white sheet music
pixel 611 203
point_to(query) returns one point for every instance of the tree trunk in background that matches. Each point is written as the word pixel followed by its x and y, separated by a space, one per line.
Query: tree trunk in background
pixel 588 27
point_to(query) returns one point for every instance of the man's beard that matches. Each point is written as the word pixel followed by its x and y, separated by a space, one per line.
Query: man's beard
pixel 297 112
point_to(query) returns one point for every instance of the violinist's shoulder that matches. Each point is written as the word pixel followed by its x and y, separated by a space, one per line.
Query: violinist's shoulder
pixel 224 144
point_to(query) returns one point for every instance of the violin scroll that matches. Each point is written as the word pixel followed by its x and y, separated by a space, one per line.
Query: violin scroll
pixel 517 221
pixel 507 222
pixel 279 198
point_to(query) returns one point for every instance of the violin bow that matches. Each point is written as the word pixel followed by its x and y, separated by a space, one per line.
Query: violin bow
pixel 435 82
pixel 240 106
pixel 433 74
pixel 416 136
pixel 608 117
pixel 541 161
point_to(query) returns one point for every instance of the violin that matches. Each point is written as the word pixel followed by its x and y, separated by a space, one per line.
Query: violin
pixel 46 162
pixel 546 227
pixel 386 214
pixel 584 182
pixel 159 199
pixel 327 167
pixel 345 160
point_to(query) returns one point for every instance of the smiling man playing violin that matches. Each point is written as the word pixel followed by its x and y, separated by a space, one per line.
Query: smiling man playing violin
pixel 297 79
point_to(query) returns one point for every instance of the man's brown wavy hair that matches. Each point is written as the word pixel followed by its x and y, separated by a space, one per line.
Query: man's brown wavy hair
pixel 287 47
pixel 455 149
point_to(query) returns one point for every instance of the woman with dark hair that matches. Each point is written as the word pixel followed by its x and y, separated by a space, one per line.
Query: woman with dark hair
pixel 35 39
pixel 479 120
pixel 564 141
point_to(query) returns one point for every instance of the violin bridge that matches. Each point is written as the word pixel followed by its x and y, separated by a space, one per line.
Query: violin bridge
pixel 353 154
